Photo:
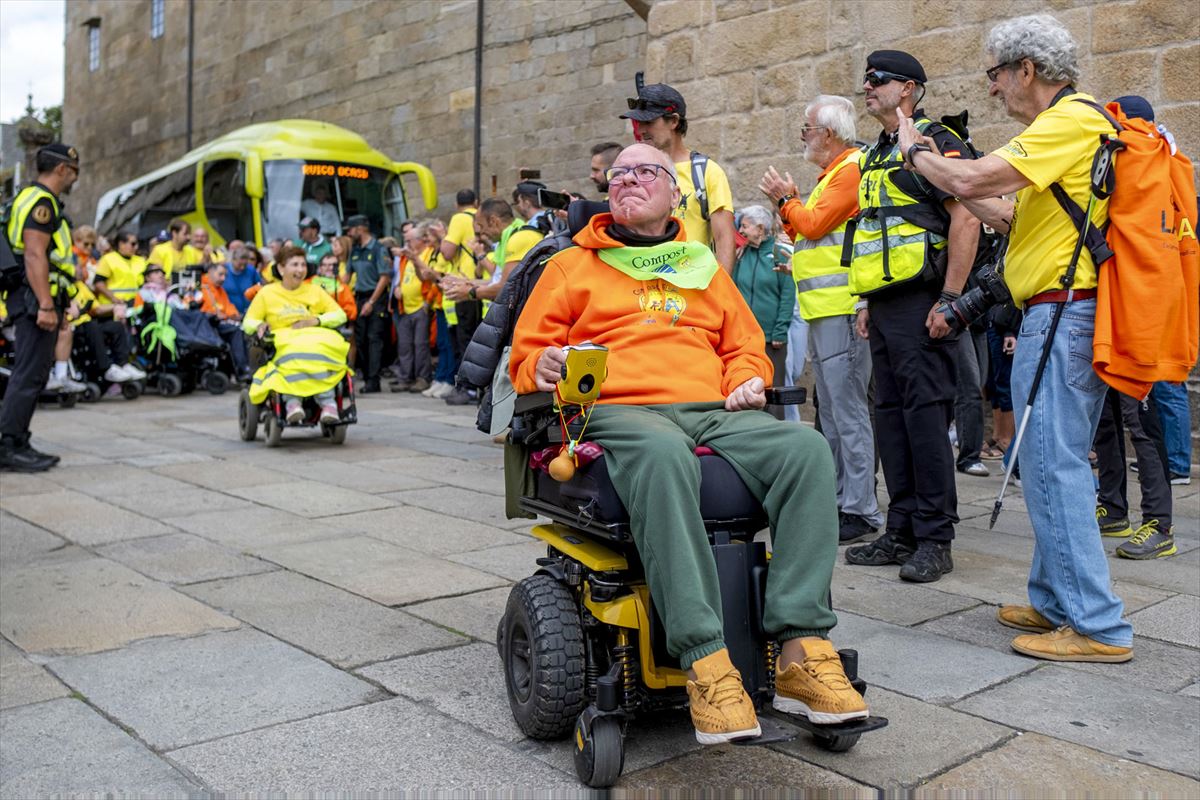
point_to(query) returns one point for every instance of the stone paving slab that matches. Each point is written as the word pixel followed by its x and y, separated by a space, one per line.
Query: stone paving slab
pixel 63 748
pixel 922 664
pixel 335 625
pixel 382 748
pixel 23 682
pixel 257 527
pixel 83 604
pixel 220 475
pixel 21 541
pixel 890 599
pixel 82 519
pixel 1022 765
pixel 729 770
pixel 453 501
pixel 1191 691
pixel 1109 715
pixel 182 558
pixel 15 483
pixel 429 532
pixel 177 501
pixel 1177 574
pixel 223 683
pixel 920 740
pixel 1176 619
pixel 311 499
pixel 113 479
pixel 352 475
pixel 380 571
pixel 477 614
pixel 448 471
pixel 1165 666
pixel 163 459
pixel 513 562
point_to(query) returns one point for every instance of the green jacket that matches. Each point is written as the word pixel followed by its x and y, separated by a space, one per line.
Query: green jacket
pixel 771 295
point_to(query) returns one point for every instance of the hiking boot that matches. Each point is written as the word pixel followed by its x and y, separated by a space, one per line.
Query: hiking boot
pixel 1065 644
pixel 818 688
pixel 400 386
pixel 419 386
pixel 458 397
pixel 976 468
pixel 893 547
pixel 1023 618
pixel 1148 542
pixel 721 709
pixel 930 562
pixel 295 412
pixel 853 527
pixel 1116 528
pixel 19 457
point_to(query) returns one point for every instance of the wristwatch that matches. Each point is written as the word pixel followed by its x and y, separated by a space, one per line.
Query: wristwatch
pixel 783 200
pixel 908 154
pixel 471 293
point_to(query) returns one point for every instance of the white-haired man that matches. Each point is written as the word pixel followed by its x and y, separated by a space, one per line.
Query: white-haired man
pixel 1074 614
pixel 841 360
pixel 686 354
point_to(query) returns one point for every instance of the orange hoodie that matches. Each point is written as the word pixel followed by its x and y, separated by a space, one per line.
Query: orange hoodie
pixel 667 345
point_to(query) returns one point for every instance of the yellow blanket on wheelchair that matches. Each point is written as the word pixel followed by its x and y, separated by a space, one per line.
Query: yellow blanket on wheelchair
pixel 307 362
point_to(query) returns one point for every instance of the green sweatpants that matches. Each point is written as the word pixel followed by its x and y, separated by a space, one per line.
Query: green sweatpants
pixel 790 470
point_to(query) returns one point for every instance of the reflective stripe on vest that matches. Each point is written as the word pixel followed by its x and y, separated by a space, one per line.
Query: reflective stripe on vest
pixel 821 280
pixel 888 248
pixel 60 255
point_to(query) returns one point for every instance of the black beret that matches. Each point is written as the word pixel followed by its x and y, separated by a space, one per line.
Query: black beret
pixel 897 61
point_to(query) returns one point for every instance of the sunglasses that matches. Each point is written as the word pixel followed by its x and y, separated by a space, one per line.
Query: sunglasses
pixel 994 72
pixel 641 104
pixel 879 77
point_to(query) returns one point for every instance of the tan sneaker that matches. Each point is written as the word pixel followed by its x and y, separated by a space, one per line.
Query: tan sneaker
pixel 721 709
pixel 1023 618
pixel 818 688
pixel 1065 644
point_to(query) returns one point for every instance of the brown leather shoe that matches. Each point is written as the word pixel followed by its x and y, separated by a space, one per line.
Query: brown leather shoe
pixel 721 709
pixel 1023 618
pixel 1065 644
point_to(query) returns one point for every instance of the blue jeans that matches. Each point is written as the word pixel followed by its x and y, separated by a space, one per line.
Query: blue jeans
pixel 797 350
pixel 1172 402
pixel 1069 580
pixel 447 364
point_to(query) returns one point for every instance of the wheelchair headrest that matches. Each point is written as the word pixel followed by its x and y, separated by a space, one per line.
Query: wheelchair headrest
pixel 580 213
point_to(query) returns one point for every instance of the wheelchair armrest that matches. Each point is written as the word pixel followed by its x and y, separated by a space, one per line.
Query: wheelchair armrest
pixel 534 418
pixel 786 395
pixel 538 401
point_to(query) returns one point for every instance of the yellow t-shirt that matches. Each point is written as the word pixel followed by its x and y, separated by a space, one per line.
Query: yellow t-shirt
pixel 280 308
pixel 1058 146
pixel 84 298
pixel 520 243
pixel 122 275
pixel 460 231
pixel 720 198
pixel 410 289
pixel 167 257
pixel 194 257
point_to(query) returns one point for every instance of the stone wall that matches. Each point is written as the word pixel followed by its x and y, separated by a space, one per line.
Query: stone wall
pixel 399 73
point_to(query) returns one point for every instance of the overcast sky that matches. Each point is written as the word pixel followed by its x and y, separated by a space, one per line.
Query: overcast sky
pixel 31 55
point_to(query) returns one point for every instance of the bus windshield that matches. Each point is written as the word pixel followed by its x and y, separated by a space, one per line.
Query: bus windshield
pixel 329 192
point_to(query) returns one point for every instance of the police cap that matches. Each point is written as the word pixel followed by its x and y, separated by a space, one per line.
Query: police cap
pixel 58 151
pixel 897 62
pixel 355 220
pixel 653 101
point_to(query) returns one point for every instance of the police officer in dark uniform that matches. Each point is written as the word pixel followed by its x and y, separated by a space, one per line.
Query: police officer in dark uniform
pixel 40 239
pixel 910 247
pixel 372 263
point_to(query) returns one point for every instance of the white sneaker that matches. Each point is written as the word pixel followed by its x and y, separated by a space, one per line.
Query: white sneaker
pixel 445 390
pixel 433 387
pixel 295 412
pixel 54 383
pixel 133 372
pixel 69 385
pixel 115 374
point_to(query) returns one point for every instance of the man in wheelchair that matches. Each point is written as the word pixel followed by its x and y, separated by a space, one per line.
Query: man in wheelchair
pixel 688 368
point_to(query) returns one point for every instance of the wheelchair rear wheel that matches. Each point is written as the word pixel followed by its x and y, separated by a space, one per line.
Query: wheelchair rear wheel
pixel 542 649
pixel 214 381
pixel 274 432
pixel 247 417
pixel 337 433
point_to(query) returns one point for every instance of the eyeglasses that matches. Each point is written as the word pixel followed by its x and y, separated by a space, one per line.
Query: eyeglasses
pixel 643 173
pixel 994 72
pixel 878 77
pixel 808 128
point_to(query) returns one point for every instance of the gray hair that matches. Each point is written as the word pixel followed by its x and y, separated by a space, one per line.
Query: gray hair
pixel 836 114
pixel 1043 40
pixel 760 216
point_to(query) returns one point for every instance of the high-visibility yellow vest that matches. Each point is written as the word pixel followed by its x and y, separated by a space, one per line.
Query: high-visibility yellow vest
pixel 822 283
pixel 61 256
pixel 456 268
pixel 307 361
pixel 894 237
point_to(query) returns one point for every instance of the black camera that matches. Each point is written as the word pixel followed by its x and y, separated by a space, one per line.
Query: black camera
pixel 989 290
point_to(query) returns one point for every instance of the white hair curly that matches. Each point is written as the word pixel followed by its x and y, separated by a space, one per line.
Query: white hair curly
pixel 1043 40
pixel 760 216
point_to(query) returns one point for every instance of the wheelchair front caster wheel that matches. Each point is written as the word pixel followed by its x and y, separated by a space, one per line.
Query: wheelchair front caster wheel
pixel 132 390
pixel 836 743
pixel 170 385
pixel 92 393
pixel 600 754
pixel 274 430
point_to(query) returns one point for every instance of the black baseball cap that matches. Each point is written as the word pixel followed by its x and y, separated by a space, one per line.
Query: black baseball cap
pixel 653 101
pixel 897 62
pixel 356 220
pixel 309 222
pixel 61 152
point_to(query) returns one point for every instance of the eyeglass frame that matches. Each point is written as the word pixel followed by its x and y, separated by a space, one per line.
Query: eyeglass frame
pixel 611 178
pixel 890 76
pixel 805 128
pixel 994 72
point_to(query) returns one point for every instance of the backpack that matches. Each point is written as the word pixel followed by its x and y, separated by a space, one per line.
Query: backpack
pixel 1148 298
pixel 12 271
pixel 700 190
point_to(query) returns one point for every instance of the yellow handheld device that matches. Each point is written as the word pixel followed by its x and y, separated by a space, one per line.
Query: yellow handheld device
pixel 582 375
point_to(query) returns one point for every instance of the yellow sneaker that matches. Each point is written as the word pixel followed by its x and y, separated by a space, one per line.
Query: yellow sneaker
pixel 1023 618
pixel 818 688
pixel 1064 644
pixel 721 709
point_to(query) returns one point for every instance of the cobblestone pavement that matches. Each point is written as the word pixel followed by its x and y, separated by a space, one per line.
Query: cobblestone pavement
pixel 184 613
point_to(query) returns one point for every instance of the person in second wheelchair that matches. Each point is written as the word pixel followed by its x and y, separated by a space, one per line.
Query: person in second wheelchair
pixel 687 368
pixel 310 359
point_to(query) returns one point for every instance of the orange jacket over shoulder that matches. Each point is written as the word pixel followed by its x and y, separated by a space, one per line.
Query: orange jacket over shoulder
pixel 668 345
pixel 215 300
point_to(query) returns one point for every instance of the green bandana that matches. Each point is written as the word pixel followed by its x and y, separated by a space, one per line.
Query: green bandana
pixel 688 265
pixel 160 331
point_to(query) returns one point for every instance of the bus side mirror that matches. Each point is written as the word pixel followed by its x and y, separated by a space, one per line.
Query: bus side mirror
pixel 424 179
pixel 254 175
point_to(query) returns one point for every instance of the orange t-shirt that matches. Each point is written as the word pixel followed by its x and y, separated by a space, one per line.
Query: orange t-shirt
pixel 667 344
pixel 836 204
pixel 216 301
